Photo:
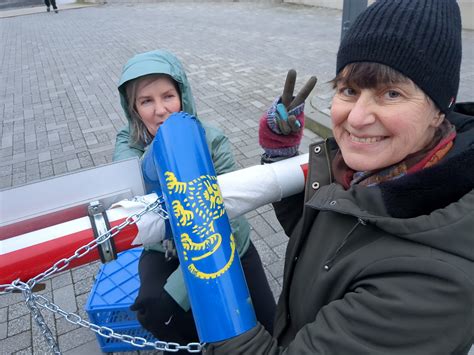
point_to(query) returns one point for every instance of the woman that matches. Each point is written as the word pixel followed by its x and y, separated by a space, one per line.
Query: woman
pixel 381 253
pixel 153 85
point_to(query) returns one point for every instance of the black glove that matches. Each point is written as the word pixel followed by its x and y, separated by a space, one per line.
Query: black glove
pixel 155 313
pixel 165 318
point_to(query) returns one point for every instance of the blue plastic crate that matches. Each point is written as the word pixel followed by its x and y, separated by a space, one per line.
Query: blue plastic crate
pixel 114 291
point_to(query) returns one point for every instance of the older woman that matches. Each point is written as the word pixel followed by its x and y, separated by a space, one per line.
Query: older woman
pixel 381 252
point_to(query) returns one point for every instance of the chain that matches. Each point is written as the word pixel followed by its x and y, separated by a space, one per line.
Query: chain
pixel 33 300
pixel 38 317
pixel 110 333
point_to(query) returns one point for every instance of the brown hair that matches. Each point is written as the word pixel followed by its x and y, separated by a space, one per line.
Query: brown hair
pixel 138 131
pixel 366 75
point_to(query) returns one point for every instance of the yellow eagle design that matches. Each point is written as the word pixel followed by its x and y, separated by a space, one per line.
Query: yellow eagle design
pixel 200 204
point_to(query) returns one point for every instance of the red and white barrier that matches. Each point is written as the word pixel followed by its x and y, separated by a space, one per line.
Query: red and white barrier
pixel 30 253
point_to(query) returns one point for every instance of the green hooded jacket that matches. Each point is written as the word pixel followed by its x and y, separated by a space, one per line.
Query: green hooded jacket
pixel 163 62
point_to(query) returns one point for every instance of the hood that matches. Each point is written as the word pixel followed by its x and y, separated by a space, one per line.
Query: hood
pixel 157 62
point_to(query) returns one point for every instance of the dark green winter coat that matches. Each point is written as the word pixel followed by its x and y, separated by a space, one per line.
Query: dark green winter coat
pixel 387 269
pixel 163 62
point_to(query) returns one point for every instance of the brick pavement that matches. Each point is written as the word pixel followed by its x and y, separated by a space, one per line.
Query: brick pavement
pixel 60 110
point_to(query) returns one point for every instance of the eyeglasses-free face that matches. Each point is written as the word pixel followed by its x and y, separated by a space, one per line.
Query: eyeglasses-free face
pixel 156 100
pixel 378 127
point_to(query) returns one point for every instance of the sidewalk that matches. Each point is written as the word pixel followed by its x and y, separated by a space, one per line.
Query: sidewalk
pixel 60 110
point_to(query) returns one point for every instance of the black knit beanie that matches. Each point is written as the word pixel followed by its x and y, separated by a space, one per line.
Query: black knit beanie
pixel 419 38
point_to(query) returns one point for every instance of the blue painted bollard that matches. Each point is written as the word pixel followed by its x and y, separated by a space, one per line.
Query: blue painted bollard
pixel 207 252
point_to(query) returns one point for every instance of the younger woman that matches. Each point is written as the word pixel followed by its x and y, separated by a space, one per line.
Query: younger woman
pixel 153 85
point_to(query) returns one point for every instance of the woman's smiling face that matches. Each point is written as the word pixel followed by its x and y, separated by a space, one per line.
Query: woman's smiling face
pixel 378 127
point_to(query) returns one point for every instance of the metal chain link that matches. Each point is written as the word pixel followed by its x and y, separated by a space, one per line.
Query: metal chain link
pixel 33 300
pixel 38 317
pixel 110 333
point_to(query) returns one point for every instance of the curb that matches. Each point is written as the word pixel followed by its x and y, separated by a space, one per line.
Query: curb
pixel 318 120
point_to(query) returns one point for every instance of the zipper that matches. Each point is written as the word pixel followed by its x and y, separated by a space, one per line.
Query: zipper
pixel 330 262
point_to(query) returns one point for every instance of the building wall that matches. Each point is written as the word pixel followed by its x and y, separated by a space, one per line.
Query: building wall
pixel 466 6
pixel 156 1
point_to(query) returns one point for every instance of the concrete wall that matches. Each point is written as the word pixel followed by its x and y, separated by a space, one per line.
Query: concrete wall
pixel 467 14
pixel 156 1
pixel 466 6
pixel 332 4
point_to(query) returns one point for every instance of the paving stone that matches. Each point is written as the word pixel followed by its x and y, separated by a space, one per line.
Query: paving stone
pixel 280 250
pixel 3 330
pixel 272 220
pixel 15 343
pixel 73 164
pixel 60 168
pixel 9 299
pixel 155 352
pixel 27 351
pixel 267 255
pixel 261 226
pixel 254 153
pixel 29 147
pixel 86 271
pixel 18 309
pixel 32 177
pixel 3 314
pixel 276 269
pixel 19 325
pixel 53 137
pixel 7 141
pixel 275 286
pixel 44 156
pixel 64 297
pixel 268 274
pixel 264 208
pixel 18 157
pixel 254 236
pixel 6 152
pixel 64 326
pixel 280 280
pixel 75 338
pixel 85 160
pixel 6 170
pixel 62 279
pixel 89 348
pixel 65 137
pixel 83 286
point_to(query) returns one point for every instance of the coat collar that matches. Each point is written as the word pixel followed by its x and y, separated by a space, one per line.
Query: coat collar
pixel 414 194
